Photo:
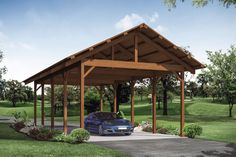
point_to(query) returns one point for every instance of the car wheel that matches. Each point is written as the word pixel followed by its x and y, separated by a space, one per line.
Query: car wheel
pixel 100 130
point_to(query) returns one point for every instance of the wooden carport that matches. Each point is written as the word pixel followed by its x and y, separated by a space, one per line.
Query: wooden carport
pixel 134 54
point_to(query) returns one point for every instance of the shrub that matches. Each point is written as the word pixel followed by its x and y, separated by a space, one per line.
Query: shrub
pixel 147 129
pixel 136 124
pixel 80 134
pixel 19 125
pixel 76 136
pixel 192 130
pixel 162 130
pixel 44 134
pixel 172 130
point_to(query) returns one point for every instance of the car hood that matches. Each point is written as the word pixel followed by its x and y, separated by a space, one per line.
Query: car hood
pixel 117 122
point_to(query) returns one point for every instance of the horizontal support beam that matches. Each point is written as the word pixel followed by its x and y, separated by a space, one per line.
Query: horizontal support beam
pixel 133 65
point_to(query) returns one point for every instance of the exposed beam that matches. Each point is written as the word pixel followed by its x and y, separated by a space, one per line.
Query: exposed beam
pixel 112 52
pixel 76 58
pixel 89 71
pixel 169 54
pixel 126 51
pixel 133 65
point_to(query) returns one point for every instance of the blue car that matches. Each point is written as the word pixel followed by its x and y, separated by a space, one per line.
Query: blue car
pixel 107 123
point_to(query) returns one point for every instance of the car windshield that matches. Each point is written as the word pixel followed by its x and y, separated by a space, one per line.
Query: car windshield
pixel 106 115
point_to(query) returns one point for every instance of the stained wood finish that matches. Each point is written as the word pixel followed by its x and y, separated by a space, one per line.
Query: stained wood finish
pixel 101 90
pixel 52 103
pixel 133 65
pixel 114 97
pixel 132 83
pixel 65 103
pixel 154 105
pixel 42 105
pixel 82 95
pixel 136 48
pixel 182 104
pixel 35 103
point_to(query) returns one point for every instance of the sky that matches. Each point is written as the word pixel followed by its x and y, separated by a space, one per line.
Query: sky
pixel 34 34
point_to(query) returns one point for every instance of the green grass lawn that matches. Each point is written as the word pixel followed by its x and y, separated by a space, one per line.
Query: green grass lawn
pixel 13 144
pixel 213 117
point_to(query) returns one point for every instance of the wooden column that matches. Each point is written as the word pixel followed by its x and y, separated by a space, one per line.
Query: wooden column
pixel 52 104
pixel 35 103
pixel 182 103
pixel 154 105
pixel 136 48
pixel 42 105
pixel 82 95
pixel 132 102
pixel 65 102
pixel 101 98
pixel 115 98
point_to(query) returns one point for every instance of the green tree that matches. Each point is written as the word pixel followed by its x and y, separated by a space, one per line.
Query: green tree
pixel 223 73
pixel 192 88
pixel 200 3
pixel 14 92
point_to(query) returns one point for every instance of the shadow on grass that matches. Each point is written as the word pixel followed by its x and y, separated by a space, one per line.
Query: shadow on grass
pixel 226 153
pixel 8 133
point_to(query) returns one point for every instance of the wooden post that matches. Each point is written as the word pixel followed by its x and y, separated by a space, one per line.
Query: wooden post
pixel 154 105
pixel 182 103
pixel 65 102
pixel 35 103
pixel 82 95
pixel 42 106
pixel 101 98
pixel 52 103
pixel 115 98
pixel 136 48
pixel 132 102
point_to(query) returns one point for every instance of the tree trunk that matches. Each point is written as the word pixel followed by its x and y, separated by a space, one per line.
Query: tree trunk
pixel 230 109
pixel 164 83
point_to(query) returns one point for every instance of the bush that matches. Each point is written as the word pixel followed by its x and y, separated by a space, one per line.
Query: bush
pixel 192 130
pixel 162 130
pixel 44 134
pixel 136 124
pixel 19 125
pixel 76 136
pixel 172 130
pixel 147 129
pixel 80 134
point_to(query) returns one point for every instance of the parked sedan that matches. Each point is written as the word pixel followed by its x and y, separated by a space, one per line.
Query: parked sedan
pixel 104 123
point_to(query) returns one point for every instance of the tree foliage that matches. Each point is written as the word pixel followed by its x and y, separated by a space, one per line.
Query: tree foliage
pixel 200 3
pixel 222 73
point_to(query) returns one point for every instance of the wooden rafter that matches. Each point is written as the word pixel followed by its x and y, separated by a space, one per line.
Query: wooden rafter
pixel 160 48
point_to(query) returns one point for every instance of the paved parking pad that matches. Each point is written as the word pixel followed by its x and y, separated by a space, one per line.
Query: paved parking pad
pixel 172 147
pixel 134 136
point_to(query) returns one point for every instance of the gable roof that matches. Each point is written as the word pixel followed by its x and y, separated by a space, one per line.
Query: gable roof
pixel 153 48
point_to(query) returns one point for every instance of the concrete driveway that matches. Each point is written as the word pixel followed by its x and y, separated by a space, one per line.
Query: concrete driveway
pixel 172 147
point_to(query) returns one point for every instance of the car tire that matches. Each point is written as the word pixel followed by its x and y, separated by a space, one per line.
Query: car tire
pixel 100 130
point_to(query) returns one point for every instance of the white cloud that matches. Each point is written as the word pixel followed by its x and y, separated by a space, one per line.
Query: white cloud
pixel 153 18
pixel 160 29
pixel 129 21
pixel 133 19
